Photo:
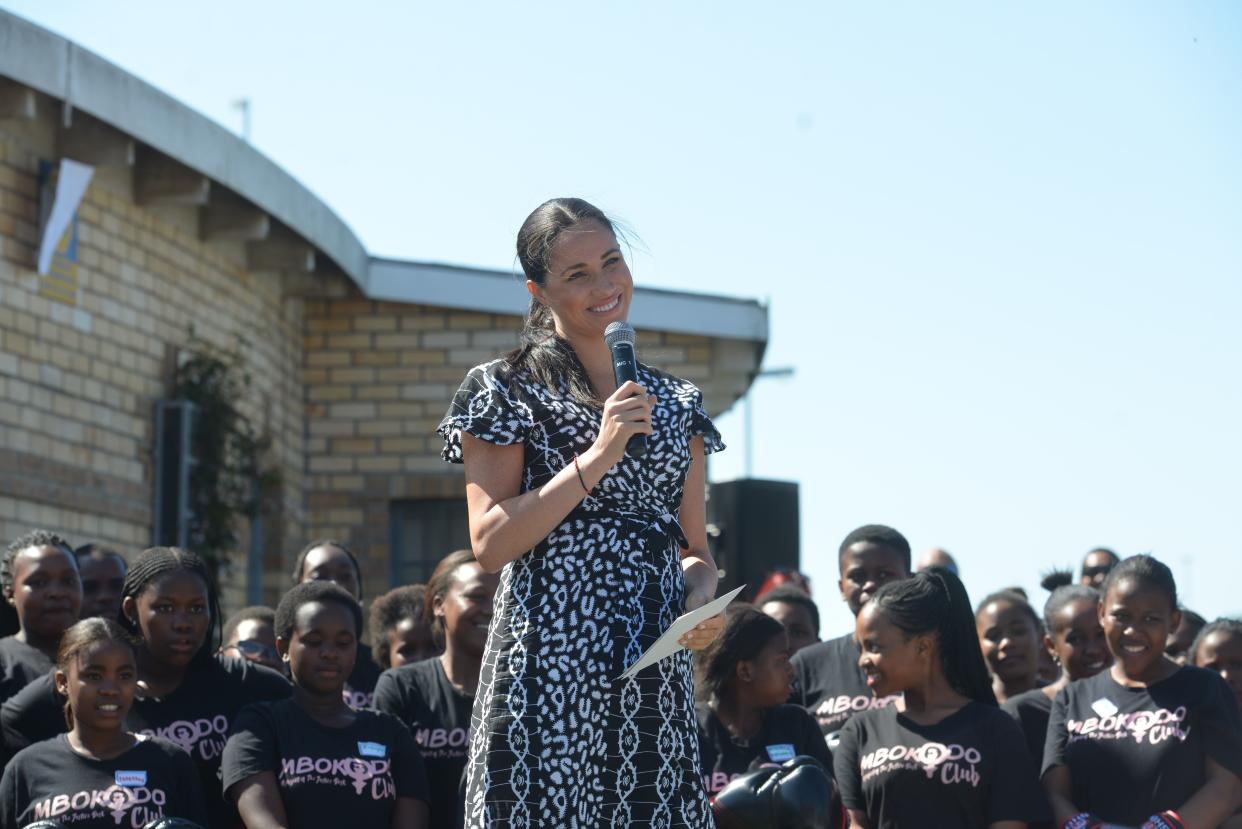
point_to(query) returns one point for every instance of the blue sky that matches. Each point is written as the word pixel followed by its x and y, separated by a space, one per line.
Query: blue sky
pixel 1002 245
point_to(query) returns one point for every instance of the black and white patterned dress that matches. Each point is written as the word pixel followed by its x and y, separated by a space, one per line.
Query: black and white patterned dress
pixel 557 741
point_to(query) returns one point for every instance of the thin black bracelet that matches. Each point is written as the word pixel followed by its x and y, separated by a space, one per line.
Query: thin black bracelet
pixel 578 469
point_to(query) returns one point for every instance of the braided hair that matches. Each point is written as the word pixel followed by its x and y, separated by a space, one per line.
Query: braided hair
pixel 34 538
pixel 746 632
pixel 82 635
pixel 1146 570
pixel 155 562
pixel 935 601
pixel 9 622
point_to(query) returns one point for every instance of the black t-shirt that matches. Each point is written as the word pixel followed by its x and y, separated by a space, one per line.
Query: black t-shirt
pixel 34 713
pixel 787 731
pixel 199 714
pixel 1134 752
pixel 1031 710
pixel 50 781
pixel 327 776
pixel 829 684
pixel 360 687
pixel 20 665
pixel 438 715
pixel 971 769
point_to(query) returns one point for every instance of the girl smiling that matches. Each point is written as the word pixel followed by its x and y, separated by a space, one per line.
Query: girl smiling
pixel 99 774
pixel 1147 742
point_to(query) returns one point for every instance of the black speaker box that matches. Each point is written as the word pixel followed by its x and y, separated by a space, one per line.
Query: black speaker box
pixel 754 529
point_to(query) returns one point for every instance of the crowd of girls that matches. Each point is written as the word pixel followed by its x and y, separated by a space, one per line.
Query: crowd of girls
pixel 930 712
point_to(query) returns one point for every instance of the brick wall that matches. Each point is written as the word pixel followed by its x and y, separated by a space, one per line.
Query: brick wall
pixel 78 379
pixel 379 376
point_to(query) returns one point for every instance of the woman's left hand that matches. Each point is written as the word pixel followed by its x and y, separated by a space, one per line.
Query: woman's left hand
pixel 701 589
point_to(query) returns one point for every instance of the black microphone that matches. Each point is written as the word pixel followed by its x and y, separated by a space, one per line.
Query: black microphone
pixel 619 337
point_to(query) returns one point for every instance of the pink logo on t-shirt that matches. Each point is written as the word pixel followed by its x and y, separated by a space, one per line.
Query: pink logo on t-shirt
pixel 442 743
pixel 203 738
pixel 952 763
pixel 838 709
pixel 363 775
pixel 141 805
pixel 1152 727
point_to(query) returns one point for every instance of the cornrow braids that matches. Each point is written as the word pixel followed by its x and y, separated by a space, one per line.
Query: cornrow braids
pixel 82 635
pixel 390 610
pixel 299 564
pixel 1233 627
pixel 935 601
pixel 155 562
pixel 34 538
pixel 746 632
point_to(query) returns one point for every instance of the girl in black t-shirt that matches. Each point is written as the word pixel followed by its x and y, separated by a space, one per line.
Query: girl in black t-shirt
pixel 944 755
pixel 1075 639
pixel 40 580
pixel 434 697
pixel 1218 647
pixel 1147 741
pixel 99 774
pixel 312 760
pixel 1009 634
pixel 746 678
pixel 328 560
pixel 400 633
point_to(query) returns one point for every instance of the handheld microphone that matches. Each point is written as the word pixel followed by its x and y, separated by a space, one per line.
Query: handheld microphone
pixel 619 337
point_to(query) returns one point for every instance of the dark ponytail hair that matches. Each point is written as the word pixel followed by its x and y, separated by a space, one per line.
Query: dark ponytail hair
pixel 438 585
pixel 1060 583
pixel 159 561
pixel 935 601
pixel 746 632
pixel 1147 570
pixel 547 358
pixel 78 638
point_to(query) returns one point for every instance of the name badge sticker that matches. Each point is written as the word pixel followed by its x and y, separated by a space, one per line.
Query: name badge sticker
pixel 1104 707
pixel 780 752
pixel 372 749
pixel 131 779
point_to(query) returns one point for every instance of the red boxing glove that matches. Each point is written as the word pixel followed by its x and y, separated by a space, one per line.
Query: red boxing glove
pixel 1084 820
pixel 1167 819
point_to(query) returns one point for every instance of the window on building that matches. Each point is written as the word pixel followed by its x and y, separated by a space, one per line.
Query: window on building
pixel 425 530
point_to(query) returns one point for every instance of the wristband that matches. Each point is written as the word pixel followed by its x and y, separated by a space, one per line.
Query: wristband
pixel 578 469
pixel 1168 819
pixel 1082 820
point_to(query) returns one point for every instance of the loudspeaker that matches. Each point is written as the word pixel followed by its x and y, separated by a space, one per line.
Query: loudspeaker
pixel 754 525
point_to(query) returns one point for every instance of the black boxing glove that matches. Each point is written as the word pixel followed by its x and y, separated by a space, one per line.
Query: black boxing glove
pixel 798 794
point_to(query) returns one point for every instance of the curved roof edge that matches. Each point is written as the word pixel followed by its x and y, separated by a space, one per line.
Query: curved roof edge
pixel 49 63
pixel 502 292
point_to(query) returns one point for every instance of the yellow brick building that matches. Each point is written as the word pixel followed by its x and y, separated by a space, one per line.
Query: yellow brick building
pixel 354 358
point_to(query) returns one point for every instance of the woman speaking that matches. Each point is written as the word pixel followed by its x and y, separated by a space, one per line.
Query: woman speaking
pixel 600 553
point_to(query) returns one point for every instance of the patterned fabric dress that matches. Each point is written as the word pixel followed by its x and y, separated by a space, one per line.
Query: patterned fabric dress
pixel 557 740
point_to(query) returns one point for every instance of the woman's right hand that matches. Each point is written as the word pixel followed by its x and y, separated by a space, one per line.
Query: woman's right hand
pixel 627 412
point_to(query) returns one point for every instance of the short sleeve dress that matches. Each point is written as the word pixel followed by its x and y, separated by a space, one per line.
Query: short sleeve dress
pixel 557 739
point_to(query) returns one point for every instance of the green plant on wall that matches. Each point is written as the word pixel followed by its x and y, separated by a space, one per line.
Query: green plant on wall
pixel 228 476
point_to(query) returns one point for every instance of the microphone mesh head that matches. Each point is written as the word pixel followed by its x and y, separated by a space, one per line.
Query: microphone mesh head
pixel 618 332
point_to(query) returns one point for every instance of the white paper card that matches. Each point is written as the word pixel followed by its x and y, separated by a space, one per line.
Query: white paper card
pixel 667 645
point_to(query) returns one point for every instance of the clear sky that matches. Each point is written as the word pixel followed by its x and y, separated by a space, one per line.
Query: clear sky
pixel 1001 243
